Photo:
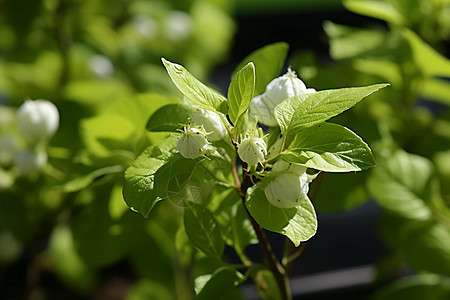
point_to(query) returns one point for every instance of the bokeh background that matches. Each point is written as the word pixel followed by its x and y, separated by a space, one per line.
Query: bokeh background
pixel 65 231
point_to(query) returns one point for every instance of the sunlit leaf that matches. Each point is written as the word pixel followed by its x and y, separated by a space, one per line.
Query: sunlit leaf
pixel 170 118
pixel 268 61
pixel 404 184
pixel 203 230
pixel 220 285
pixel 299 223
pixel 307 110
pixel 193 89
pixel 240 92
pixel 331 148
pixel 376 9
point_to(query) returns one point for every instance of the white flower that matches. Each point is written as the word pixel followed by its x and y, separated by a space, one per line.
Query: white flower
pixel 289 186
pixel 29 162
pixel 146 26
pixel 193 142
pixel 259 108
pixel 252 150
pixel 38 120
pixel 215 130
pixel 178 26
pixel 101 66
pixel 278 90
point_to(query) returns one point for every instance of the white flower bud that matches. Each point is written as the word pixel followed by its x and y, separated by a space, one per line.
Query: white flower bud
pixel 282 88
pixel 214 127
pixel 29 162
pixel 289 186
pixel 278 90
pixel 259 109
pixel 38 120
pixel 252 150
pixel 193 142
pixel 284 191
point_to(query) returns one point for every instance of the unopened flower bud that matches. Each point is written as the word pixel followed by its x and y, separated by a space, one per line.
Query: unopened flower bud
pixel 289 186
pixel 259 108
pixel 193 142
pixel 284 191
pixel 214 127
pixel 278 90
pixel 282 88
pixel 29 162
pixel 252 150
pixel 38 120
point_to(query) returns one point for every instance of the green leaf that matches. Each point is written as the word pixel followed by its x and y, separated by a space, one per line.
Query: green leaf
pixel 222 285
pixel 307 110
pixel 140 177
pixel 431 62
pixel 107 132
pixel 268 61
pixel 240 92
pixel 424 245
pixel 68 264
pixel 428 247
pixel 267 285
pixel 170 118
pixel 236 225
pixel 193 89
pixel 82 181
pixel 203 230
pixel 350 42
pixel 417 287
pixel 340 191
pixel 149 289
pixel 330 148
pixel 436 89
pixel 376 9
pixel 404 184
pixel 299 223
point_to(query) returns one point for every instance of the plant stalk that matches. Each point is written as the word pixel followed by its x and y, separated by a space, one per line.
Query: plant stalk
pixel 275 267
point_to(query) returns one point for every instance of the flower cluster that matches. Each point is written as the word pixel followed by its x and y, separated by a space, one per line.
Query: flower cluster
pixel 204 126
pixel 24 136
pixel 287 184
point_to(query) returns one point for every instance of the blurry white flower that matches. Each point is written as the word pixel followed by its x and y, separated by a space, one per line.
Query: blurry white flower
pixel 252 150
pixel 8 147
pixel 38 120
pixel 29 162
pixel 101 66
pixel 146 26
pixel 193 142
pixel 178 26
pixel 214 127
pixel 278 90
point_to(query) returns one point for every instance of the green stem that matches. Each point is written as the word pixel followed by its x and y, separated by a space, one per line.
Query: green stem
pixel 275 267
